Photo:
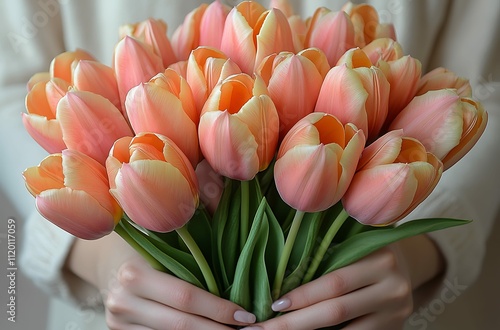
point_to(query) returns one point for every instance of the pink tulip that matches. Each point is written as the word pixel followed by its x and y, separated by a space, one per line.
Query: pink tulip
pixel 394 175
pixel 180 67
pixel 153 181
pixel 366 24
pixel 316 162
pixel 90 123
pixel 63 64
pixel 163 106
pixel 357 95
pixel 332 32
pixel 206 68
pixel 40 120
pixel 441 78
pixel 251 33
pixel 447 125
pixel 284 6
pixel 134 62
pixel 187 36
pixel 403 75
pixel 212 24
pixel 238 129
pixel 383 49
pixel 294 83
pixel 72 191
pixel 154 33
pixel 95 77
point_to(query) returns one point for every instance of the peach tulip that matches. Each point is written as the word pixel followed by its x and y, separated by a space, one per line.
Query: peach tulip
pixel 164 105
pixel 403 75
pixel 332 32
pixel 207 67
pixel 385 49
pixel 153 181
pixel 40 120
pixel 251 33
pixel 97 78
pixel 134 62
pixel 36 78
pixel 358 95
pixel 152 32
pixel 447 125
pixel 90 123
pixel 72 191
pixel 294 82
pixel 395 174
pixel 316 162
pixel 63 64
pixel 187 36
pixel 366 23
pixel 238 128
pixel 212 24
pixel 441 78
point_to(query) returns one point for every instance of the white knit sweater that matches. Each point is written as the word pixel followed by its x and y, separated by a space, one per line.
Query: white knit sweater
pixel 463 36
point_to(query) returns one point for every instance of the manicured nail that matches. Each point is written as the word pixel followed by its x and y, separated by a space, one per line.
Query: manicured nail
pixel 244 317
pixel 252 328
pixel 281 304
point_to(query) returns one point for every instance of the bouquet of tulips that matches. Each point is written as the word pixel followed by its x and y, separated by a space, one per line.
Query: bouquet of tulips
pixel 252 151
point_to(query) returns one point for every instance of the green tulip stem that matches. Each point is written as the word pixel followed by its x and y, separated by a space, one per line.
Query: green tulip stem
pixel 324 245
pixel 200 259
pixel 136 246
pixel 285 255
pixel 244 213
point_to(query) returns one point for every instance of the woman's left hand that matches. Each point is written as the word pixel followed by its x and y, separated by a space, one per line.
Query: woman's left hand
pixel 372 293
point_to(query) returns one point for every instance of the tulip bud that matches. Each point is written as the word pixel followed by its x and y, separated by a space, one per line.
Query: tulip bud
pixel 394 175
pixel 238 128
pixel 294 83
pixel 187 36
pixel 206 68
pixel 165 106
pixel 95 77
pixel 134 62
pixel 383 49
pixel 316 162
pixel 153 181
pixel 332 32
pixel 72 191
pixel 154 33
pixel 441 78
pixel 452 124
pixel 90 123
pixel 63 64
pixel 212 24
pixel 40 120
pixel 251 34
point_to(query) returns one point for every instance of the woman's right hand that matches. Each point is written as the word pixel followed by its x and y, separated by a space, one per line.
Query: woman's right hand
pixel 138 297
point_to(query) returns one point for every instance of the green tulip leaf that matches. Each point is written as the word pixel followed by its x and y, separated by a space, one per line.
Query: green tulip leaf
pixel 364 243
pixel 275 243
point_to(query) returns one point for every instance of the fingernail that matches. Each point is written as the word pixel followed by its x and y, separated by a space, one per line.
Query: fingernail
pixel 244 317
pixel 252 328
pixel 281 304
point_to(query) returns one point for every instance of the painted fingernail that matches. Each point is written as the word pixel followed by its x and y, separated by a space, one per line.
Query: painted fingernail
pixel 281 304
pixel 244 317
pixel 252 328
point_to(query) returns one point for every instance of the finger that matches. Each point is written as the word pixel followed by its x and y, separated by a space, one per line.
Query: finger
pixel 333 311
pixel 153 315
pixel 376 321
pixel 334 284
pixel 181 295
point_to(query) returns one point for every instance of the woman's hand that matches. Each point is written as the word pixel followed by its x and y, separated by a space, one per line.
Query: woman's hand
pixel 138 297
pixel 373 293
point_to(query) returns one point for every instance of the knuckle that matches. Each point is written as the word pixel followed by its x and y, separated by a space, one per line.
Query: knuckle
pixel 128 274
pixel 222 311
pixel 337 283
pixel 183 297
pixel 389 259
pixel 402 291
pixel 114 304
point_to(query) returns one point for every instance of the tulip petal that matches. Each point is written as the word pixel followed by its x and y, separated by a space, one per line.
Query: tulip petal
pixel 47 133
pixel 90 123
pixel 154 194
pixel 47 175
pixel 75 212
